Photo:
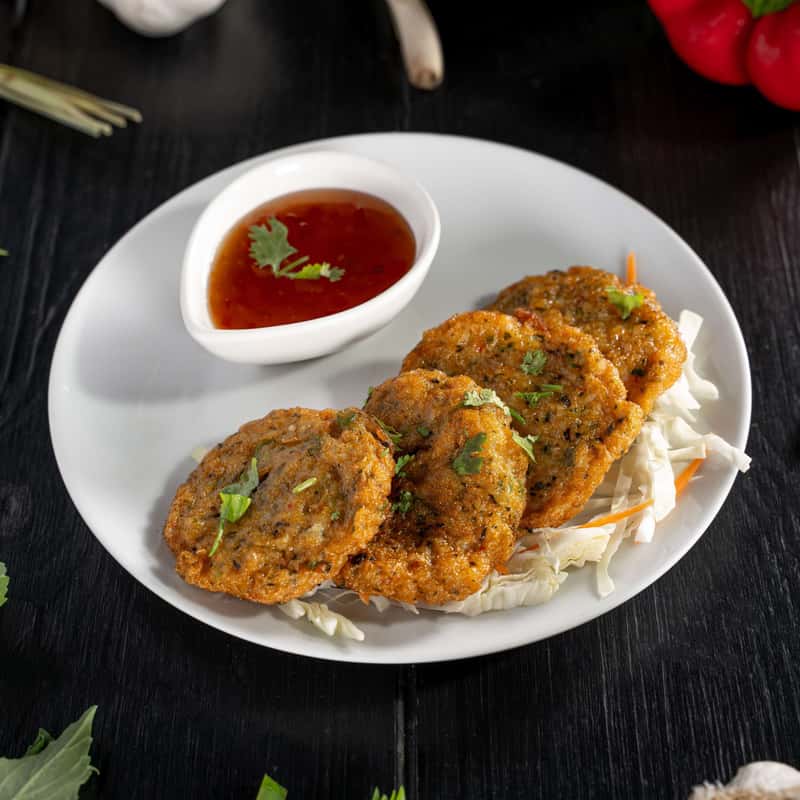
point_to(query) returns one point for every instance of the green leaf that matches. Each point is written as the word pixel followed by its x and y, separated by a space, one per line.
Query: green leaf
pixel 532 398
pixel 3 584
pixel 517 416
pixel 758 8
pixel 467 462
pixel 56 771
pixel 391 432
pixel 624 301
pixel 345 420
pixel 526 443
pixel 423 431
pixel 403 505
pixel 482 397
pixel 303 485
pixel 401 462
pixel 397 794
pixel 270 244
pixel 235 500
pixel 335 515
pixel 247 482
pixel 43 738
pixel 313 272
pixel 533 362
pixel 270 789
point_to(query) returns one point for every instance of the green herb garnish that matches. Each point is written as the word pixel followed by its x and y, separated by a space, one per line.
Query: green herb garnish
pixel 3 583
pixel 526 443
pixel 235 500
pixel 403 505
pixel 303 485
pixel 533 362
pixel 482 397
pixel 270 789
pixel 313 272
pixel 624 301
pixel 269 247
pixel 335 515
pixel 547 390
pixel 423 431
pixel 52 768
pixel 391 432
pixel 517 416
pixel 345 420
pixel 467 462
pixel 401 462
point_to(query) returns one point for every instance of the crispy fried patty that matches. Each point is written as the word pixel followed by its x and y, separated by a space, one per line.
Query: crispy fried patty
pixel 446 530
pixel 645 348
pixel 561 389
pixel 324 482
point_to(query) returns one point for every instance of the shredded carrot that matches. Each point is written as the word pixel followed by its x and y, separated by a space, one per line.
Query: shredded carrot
pixel 618 515
pixel 630 268
pixel 682 481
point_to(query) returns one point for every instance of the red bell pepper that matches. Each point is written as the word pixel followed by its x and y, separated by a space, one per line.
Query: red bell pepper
pixel 739 42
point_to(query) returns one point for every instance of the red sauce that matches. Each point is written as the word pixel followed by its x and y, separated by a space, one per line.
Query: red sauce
pixel 359 233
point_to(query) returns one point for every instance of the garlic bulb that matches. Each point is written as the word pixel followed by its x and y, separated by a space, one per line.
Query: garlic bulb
pixel 161 17
pixel 761 779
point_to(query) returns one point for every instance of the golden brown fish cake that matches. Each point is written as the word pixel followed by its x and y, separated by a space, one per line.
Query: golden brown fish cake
pixel 454 515
pixel 645 348
pixel 560 389
pixel 324 482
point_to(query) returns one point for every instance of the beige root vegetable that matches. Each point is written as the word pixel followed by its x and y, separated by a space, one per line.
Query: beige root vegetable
pixel 419 42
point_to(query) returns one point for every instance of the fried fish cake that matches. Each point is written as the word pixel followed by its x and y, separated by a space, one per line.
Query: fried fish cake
pixel 457 497
pixel 560 390
pixel 645 348
pixel 324 480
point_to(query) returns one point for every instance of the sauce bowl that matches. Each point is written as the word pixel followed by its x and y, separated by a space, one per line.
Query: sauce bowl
pixel 298 341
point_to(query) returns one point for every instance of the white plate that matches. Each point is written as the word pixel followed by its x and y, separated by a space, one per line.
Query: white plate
pixel 131 395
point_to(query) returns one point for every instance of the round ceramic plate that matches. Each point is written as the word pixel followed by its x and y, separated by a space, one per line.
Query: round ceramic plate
pixel 131 395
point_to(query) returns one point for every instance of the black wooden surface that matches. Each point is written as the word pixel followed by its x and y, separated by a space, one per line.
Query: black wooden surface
pixel 695 676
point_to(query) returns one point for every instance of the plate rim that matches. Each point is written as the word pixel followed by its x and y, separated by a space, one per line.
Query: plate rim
pixel 469 650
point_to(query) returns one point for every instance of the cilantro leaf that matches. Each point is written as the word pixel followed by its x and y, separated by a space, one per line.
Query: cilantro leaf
pixel 623 301
pixel 235 500
pixel 56 769
pixel 547 390
pixel 270 789
pixel 3 583
pixel 370 390
pixel 270 244
pixel 345 420
pixel 517 416
pixel 482 397
pixel 403 505
pixel 467 462
pixel 313 272
pixel 526 443
pixel 533 362
pixel 423 431
pixel 391 432
pixel 401 462
pixel 303 485
pixel 335 515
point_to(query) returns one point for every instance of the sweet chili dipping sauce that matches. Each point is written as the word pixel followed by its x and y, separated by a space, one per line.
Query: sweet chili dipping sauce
pixel 353 231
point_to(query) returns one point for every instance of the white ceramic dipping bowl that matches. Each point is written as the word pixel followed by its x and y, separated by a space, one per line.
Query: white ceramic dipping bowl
pixel 317 337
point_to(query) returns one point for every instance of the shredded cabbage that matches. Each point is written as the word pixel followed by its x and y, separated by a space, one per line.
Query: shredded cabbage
pixel 319 615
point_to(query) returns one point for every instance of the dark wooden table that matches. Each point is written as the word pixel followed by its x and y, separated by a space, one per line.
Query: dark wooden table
pixel 697 675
